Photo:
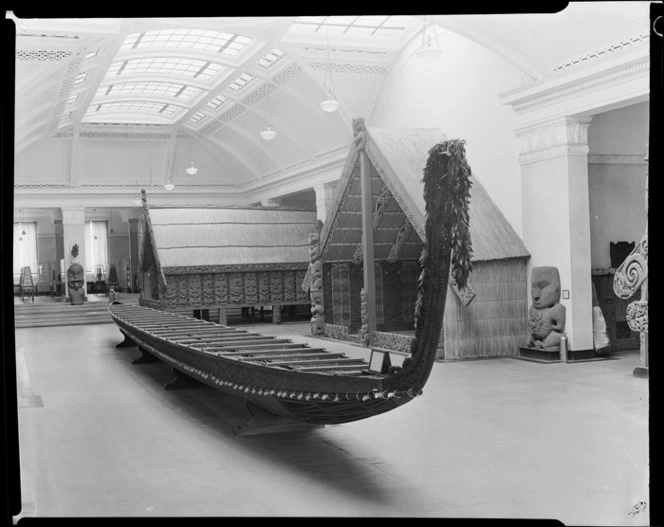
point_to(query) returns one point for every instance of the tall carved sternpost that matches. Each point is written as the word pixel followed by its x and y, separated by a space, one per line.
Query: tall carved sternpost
pixel 629 278
pixel 556 214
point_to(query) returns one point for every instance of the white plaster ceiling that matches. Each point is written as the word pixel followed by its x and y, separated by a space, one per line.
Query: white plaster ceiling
pixel 159 78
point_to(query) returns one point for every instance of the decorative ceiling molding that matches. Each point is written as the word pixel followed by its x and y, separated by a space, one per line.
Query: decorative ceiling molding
pixel 584 87
pixel 42 55
pixel 603 52
pixel 66 88
pixel 347 68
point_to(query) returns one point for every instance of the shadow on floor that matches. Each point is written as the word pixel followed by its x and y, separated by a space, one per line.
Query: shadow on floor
pixel 312 453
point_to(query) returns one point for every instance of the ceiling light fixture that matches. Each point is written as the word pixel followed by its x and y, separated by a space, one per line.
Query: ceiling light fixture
pixel 429 50
pixel 330 104
pixel 192 169
pixel 94 217
pixel 268 133
pixel 169 186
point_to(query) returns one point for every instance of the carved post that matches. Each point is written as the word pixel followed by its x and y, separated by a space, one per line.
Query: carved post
pixel 276 314
pixel 359 141
pixel 316 287
pixel 364 317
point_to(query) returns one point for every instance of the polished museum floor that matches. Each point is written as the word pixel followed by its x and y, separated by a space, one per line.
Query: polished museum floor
pixel 497 438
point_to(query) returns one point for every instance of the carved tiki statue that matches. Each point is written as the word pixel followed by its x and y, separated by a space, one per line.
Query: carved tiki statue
pixel 546 316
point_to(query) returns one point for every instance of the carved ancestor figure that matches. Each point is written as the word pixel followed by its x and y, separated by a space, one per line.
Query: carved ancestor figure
pixel 546 315
pixel 359 133
pixel 76 278
pixel 316 287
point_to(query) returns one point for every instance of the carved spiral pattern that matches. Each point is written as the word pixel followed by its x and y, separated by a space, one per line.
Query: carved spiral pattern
pixel 630 275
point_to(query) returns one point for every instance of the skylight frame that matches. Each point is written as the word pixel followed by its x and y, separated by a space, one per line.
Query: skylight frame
pixel 185 68
pixel 241 82
pixel 179 91
pixel 205 40
pixel 271 58
pixel 360 26
pixel 144 109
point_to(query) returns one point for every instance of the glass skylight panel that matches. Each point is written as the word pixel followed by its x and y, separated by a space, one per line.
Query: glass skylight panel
pixel 193 68
pixel 80 77
pixel 185 38
pixel 218 101
pixel 361 26
pixel 196 118
pixel 72 99
pixel 136 107
pixel 271 58
pixel 91 53
pixel 241 82
pixel 165 89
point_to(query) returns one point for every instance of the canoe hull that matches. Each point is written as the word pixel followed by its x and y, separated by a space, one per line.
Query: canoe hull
pixel 314 398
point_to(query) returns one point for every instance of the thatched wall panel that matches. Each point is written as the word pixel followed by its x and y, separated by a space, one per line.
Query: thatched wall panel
pixel 495 322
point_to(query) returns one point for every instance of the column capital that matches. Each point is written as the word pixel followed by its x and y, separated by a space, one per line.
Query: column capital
pixel 563 136
pixel 73 216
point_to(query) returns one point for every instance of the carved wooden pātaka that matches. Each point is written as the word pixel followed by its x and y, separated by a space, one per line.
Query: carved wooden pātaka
pixel 311 384
pixel 631 276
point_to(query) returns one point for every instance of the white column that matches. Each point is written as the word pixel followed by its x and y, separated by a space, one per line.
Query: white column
pixel 73 223
pixel 556 215
pixel 324 196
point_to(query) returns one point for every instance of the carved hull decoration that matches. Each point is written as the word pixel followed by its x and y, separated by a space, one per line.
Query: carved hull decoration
pixel 313 385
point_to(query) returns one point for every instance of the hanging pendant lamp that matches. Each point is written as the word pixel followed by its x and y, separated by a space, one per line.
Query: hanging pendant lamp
pixel 192 169
pixel 268 133
pixel 330 104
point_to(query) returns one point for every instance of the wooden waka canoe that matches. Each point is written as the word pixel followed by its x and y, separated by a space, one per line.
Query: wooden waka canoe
pixel 281 376
pixel 312 385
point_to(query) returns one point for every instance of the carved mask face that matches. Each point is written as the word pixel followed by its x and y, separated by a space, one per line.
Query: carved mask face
pixel 545 287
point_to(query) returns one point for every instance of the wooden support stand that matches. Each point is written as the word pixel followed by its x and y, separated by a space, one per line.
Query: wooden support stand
pixel 181 382
pixel 145 358
pixel 126 343
pixel 264 422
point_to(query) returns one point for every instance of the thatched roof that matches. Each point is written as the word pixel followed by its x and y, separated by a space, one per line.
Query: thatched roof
pixel 397 158
pixel 219 237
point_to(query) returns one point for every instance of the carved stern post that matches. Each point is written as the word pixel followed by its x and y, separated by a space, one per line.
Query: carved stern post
pixel 631 276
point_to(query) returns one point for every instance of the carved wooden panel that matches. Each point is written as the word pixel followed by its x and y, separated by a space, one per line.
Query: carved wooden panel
pixel 236 288
pixel 277 287
pixel 221 291
pixel 289 286
pixel 264 288
pixel 207 283
pixel 250 288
